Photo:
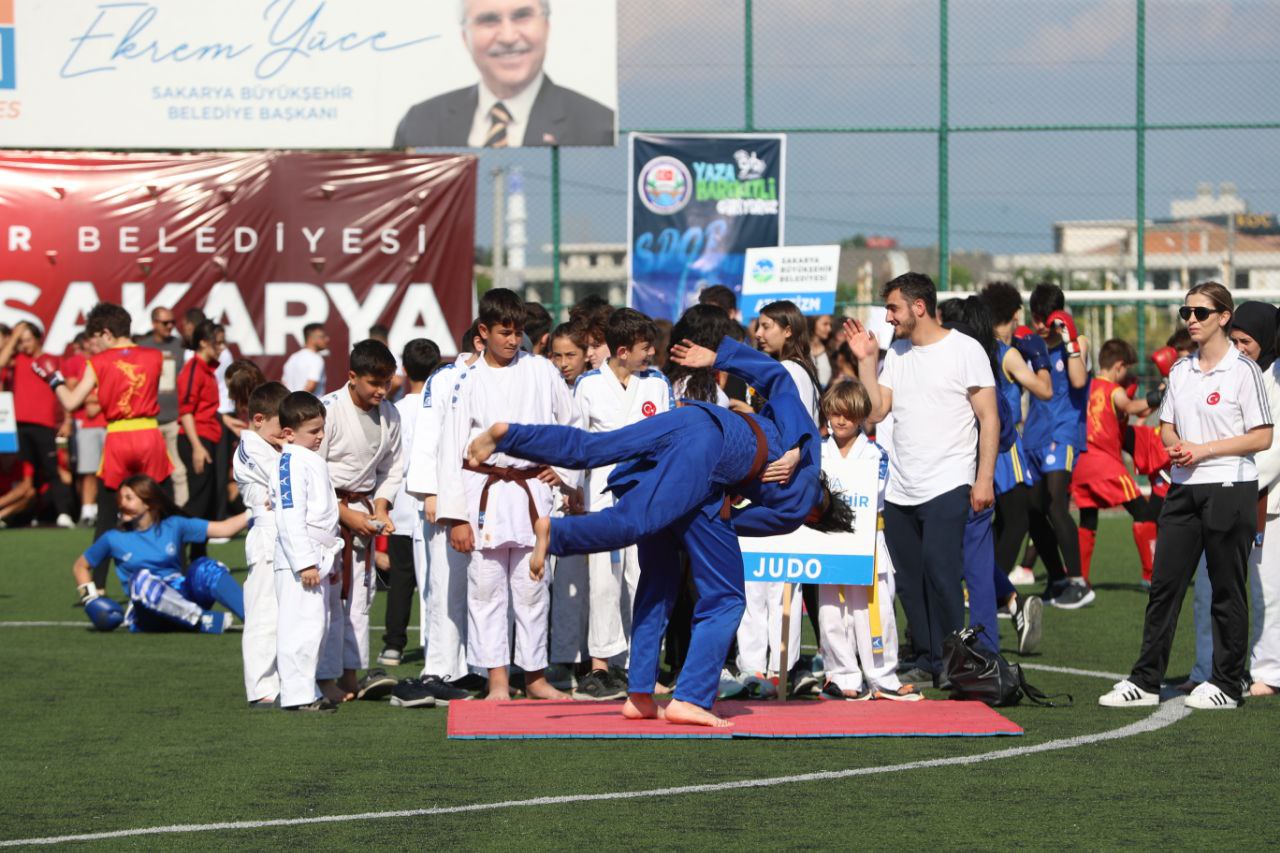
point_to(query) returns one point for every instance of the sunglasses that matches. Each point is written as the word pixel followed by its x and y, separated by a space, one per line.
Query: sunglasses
pixel 1201 313
pixel 165 322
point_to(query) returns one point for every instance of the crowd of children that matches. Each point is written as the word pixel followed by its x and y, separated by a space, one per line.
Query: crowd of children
pixel 350 491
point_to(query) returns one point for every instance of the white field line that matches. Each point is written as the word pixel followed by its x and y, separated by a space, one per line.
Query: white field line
pixel 1165 715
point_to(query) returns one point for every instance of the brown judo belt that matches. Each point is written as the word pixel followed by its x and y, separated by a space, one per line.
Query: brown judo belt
pixel 364 500
pixel 757 467
pixel 504 474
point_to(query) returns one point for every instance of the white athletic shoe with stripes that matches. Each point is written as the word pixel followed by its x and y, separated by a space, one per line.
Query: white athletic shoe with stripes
pixel 1208 697
pixel 1126 694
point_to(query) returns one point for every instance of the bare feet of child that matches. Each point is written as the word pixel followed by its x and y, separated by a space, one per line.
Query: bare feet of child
pixel 330 690
pixel 499 686
pixel 687 714
pixel 536 686
pixel 1261 688
pixel 640 706
pixel 349 684
pixel 542 539
pixel 661 689
pixel 483 445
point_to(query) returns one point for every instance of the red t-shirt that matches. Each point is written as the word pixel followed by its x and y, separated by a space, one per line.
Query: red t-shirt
pixel 198 396
pixel 1102 426
pixel 33 400
pixel 13 471
pixel 128 382
pixel 73 368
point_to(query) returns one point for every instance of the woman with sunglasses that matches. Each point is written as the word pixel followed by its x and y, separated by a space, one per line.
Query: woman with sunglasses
pixel 1214 418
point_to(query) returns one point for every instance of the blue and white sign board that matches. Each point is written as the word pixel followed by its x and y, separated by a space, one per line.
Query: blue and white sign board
pixel 808 556
pixel 8 424
pixel 804 274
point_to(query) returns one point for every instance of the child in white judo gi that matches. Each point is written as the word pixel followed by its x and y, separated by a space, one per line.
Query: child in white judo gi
pixel 624 390
pixel 859 633
pixel 309 615
pixel 443 592
pixel 255 460
pixel 362 447
pixel 491 506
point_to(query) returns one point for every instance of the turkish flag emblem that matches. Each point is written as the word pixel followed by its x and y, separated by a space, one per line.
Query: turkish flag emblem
pixel 649 409
pixel 1213 398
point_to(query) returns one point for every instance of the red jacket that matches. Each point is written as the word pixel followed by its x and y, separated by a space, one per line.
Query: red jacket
pixel 198 396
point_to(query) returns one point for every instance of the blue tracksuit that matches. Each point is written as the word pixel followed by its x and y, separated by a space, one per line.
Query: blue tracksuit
pixel 669 487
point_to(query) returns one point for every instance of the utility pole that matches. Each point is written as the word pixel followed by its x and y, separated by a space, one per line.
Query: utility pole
pixel 499 225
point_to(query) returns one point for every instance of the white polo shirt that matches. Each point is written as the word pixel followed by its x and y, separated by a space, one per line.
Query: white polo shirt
pixel 1225 402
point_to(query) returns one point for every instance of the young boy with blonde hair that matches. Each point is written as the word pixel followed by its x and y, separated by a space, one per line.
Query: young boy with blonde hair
pixel 859 632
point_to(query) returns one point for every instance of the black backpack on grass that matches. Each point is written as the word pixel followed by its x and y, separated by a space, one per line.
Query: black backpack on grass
pixel 972 673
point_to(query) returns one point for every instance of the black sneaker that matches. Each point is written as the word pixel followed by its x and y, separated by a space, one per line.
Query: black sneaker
pixel 831 690
pixel 598 687
pixel 916 675
pixel 321 706
pixel 443 690
pixel 1075 595
pixel 1053 589
pixel 1027 619
pixel 802 682
pixel 390 657
pixel 376 685
pixel 470 682
pixel 412 693
pixel 618 678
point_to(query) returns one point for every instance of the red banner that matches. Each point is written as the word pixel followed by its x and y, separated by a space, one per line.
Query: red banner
pixel 265 243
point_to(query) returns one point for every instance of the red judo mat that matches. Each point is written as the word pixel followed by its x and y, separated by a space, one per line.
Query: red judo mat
pixel 799 719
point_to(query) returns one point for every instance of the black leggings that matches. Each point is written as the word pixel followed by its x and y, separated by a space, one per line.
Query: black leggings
pixel 1141 509
pixel 1052 527
pixel 1011 522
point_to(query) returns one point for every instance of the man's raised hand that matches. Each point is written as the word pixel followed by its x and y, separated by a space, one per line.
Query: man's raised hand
pixel 862 343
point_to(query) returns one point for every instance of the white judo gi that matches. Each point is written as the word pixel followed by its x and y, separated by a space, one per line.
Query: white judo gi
pixel 443 597
pixel 406 510
pixel 358 467
pixel 851 649
pixel 529 390
pixel 760 631
pixel 605 405
pixel 309 622
pixel 252 467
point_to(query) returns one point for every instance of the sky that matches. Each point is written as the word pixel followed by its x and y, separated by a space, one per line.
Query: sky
pixel 842 63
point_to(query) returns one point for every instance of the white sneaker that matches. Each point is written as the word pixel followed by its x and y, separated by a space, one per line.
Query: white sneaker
pixel 1126 694
pixel 64 521
pixel 1208 697
pixel 1022 576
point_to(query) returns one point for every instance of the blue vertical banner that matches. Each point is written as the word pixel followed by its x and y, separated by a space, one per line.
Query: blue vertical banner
pixel 698 202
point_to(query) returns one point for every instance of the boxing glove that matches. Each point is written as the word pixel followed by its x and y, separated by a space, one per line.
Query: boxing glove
pixel 1155 398
pixel 1164 359
pixel 1024 332
pixel 1066 327
pixel 53 378
pixel 1131 390
pixel 1034 350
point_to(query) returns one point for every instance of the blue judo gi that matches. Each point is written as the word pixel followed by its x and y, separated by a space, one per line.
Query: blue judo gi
pixel 673 473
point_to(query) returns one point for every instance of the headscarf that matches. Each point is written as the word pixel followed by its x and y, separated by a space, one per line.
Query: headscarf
pixel 1259 321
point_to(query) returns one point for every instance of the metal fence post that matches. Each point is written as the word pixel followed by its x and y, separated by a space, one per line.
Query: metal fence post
pixel 749 67
pixel 944 178
pixel 555 232
pixel 1140 121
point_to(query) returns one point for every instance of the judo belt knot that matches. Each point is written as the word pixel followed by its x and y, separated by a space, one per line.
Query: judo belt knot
pixel 361 499
pixel 506 474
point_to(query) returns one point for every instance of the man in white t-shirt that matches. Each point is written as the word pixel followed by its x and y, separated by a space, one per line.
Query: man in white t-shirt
pixel 304 370
pixel 940 390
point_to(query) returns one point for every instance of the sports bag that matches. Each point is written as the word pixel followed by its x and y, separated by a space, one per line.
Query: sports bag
pixel 973 673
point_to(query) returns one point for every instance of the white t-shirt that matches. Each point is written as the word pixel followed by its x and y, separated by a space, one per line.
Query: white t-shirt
pixel 804 386
pixel 305 365
pixel 1226 402
pixel 935 432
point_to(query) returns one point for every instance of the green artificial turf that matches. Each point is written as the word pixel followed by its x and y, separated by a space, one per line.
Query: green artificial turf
pixel 115 731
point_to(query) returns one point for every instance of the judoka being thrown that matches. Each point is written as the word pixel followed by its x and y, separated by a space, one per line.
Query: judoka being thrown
pixel 676 475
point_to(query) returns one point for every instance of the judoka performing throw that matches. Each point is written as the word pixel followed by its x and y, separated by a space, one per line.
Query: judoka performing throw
pixel 676 479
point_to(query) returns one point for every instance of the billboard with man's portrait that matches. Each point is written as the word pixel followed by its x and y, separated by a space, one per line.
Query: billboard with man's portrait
pixel 311 74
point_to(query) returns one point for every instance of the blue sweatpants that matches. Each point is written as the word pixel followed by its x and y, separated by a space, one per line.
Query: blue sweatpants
pixel 926 542
pixel 979 576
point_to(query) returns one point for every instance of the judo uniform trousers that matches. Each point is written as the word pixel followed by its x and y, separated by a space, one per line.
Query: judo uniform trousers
pixel 529 390
pixel 252 466
pixel 670 493
pixel 309 622
pixel 358 467
pixel 605 406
